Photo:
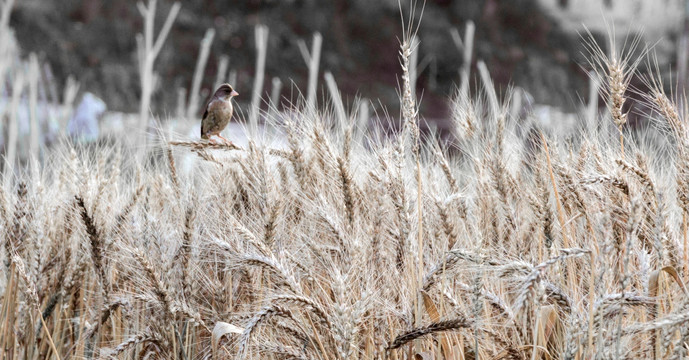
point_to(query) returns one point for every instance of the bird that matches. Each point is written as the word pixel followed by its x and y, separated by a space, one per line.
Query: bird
pixel 218 113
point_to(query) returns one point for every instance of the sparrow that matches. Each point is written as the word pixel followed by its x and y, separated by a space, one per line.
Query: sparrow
pixel 218 113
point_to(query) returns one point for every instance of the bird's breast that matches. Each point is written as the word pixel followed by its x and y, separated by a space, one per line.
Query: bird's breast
pixel 221 109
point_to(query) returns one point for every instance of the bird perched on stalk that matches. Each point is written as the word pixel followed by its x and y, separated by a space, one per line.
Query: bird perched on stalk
pixel 218 113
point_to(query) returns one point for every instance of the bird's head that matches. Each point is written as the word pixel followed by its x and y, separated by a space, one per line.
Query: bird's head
pixel 226 92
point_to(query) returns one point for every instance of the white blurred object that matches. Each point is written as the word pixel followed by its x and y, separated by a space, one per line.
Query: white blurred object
pixel 84 123
pixel 555 120
pixel 654 17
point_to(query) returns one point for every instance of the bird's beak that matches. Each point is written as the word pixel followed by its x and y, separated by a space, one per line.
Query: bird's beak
pixel 234 93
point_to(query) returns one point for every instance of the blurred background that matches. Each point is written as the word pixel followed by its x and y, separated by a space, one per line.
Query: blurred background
pixel 88 49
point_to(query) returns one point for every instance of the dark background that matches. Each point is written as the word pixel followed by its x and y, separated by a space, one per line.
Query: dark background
pixel 95 41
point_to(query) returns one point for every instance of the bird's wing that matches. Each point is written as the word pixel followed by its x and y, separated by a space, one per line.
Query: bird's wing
pixel 204 120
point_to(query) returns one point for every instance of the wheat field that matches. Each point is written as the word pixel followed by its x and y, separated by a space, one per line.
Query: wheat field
pixel 512 241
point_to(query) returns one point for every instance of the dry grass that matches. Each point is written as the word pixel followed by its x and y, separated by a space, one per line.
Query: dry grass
pixel 521 246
